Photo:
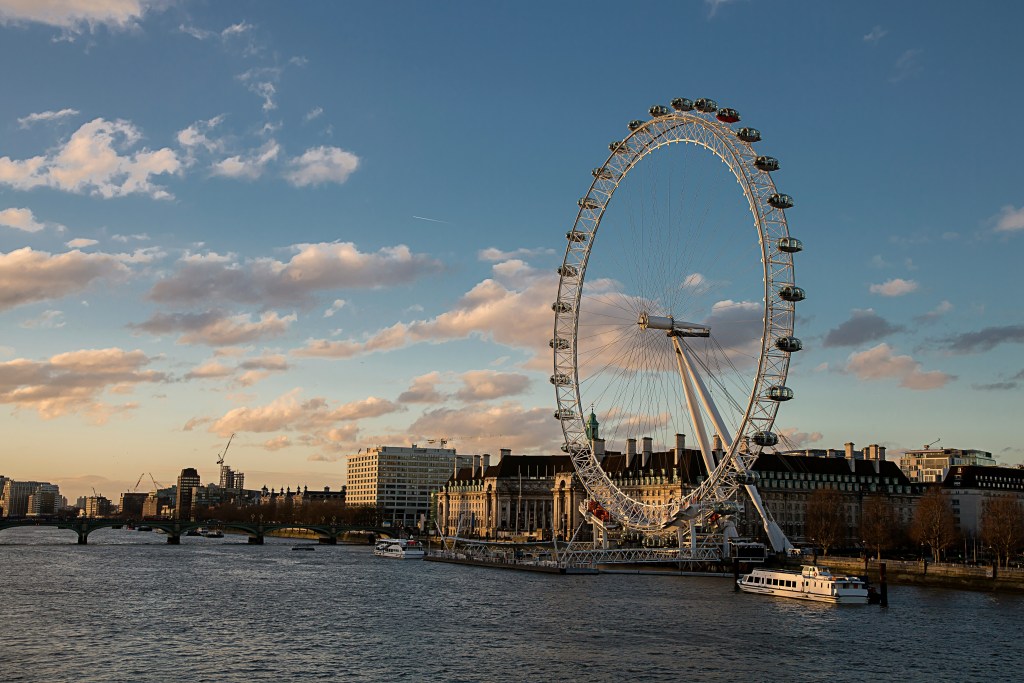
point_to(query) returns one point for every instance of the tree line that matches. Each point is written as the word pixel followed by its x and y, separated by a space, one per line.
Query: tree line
pixel 283 511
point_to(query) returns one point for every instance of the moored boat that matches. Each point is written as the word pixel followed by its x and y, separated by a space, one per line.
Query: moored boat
pixel 214 533
pixel 399 548
pixel 810 583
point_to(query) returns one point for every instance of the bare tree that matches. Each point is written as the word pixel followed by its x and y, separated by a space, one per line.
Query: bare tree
pixel 825 521
pixel 1002 526
pixel 878 525
pixel 934 524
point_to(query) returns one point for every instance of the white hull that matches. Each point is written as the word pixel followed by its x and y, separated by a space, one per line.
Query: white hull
pixel 800 595
pixel 815 584
pixel 399 549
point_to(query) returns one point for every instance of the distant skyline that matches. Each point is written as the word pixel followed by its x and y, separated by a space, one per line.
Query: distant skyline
pixel 329 226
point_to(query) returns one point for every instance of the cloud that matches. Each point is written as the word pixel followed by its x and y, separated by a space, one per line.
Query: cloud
pixel 74 382
pixel 334 308
pixel 495 254
pixel 863 326
pixel 80 242
pixel 45 116
pixel 794 439
pixel 996 386
pixel 277 443
pixel 314 267
pixel 423 390
pixel 1010 219
pixel 907 66
pixel 319 165
pixel 314 113
pixel 288 413
pixel 196 137
pixel 875 35
pixel 77 15
pixel 249 166
pixel 20 219
pixel 91 161
pixel 210 370
pixel 216 328
pixel 985 339
pixel 27 275
pixel 486 385
pixel 880 363
pixel 47 320
pixel 261 81
pixel 505 425
pixel 942 309
pixel 894 287
pixel 713 6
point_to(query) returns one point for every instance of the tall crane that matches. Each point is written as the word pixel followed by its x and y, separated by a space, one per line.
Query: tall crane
pixel 929 445
pixel 157 484
pixel 220 458
pixel 137 482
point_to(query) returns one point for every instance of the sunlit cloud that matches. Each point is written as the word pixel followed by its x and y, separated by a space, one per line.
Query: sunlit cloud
pixel 217 328
pixel 487 385
pixel 321 165
pixel 880 363
pixel 76 16
pixel 45 116
pixel 894 287
pixel 20 219
pixel 27 275
pixel 1010 219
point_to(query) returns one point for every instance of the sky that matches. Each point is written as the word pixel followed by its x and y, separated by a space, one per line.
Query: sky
pixel 327 226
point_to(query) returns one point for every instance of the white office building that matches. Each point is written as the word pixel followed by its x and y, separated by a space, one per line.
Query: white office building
pixel 931 465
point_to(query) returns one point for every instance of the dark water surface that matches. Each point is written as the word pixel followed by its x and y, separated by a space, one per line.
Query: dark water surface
pixel 129 607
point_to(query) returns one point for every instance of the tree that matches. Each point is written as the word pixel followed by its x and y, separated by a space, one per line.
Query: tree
pixel 934 524
pixel 1002 526
pixel 878 525
pixel 825 521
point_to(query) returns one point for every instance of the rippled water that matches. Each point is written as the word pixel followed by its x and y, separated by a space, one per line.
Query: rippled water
pixel 129 607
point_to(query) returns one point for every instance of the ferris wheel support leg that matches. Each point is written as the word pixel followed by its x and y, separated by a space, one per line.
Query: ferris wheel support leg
pixel 694 409
pixel 775 535
pixel 705 395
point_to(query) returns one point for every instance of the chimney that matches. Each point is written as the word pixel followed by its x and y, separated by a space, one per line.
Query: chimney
pixel 716 450
pixel 476 466
pixel 486 463
pixel 849 450
pixel 630 452
pixel 680 447
pixel 881 452
pixel 505 452
pixel 455 467
pixel 878 466
pixel 648 448
pixel 717 443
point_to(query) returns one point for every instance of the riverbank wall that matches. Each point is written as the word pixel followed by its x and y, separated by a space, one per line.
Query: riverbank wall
pixel 922 573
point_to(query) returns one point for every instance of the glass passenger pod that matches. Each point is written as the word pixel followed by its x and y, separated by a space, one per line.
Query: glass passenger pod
pixel 561 307
pixel 765 438
pixel 565 414
pixel 726 507
pixel 792 293
pixel 780 393
pixel 559 343
pixel 559 379
pixel 618 146
pixel 748 478
pixel 602 173
pixel 575 235
pixel 726 115
pixel 658 110
pixel 790 245
pixel 682 104
pixel 568 271
pixel 788 344
pixel 749 134
pixel 705 105
pixel 590 203
pixel 767 164
pixel 572 448
pixel 780 201
pixel 634 124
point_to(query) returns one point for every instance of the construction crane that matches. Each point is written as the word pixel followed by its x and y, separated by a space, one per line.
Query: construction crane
pixel 157 484
pixel 444 440
pixel 929 445
pixel 220 458
pixel 139 481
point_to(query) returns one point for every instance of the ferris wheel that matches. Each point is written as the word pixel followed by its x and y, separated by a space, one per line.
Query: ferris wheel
pixel 679 320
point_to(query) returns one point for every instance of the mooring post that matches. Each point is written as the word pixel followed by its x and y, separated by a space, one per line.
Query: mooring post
pixel 883 586
pixel 735 574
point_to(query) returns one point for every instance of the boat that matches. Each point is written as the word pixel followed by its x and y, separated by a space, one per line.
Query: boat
pixel 810 583
pixel 215 533
pixel 143 527
pixel 399 548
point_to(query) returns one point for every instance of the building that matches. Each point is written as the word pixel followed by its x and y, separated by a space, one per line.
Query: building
pixel 969 486
pixel 160 502
pixel 15 496
pixel 187 481
pixel 931 465
pixel 132 504
pixel 231 480
pixel 45 500
pixel 399 480
pixel 98 506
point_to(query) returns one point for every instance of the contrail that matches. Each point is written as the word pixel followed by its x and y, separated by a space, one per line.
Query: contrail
pixel 432 220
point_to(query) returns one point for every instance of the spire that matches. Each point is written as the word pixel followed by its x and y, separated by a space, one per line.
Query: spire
pixel 592 426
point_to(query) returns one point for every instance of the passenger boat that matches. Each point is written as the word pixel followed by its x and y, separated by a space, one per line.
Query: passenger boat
pixel 810 583
pixel 215 533
pixel 399 548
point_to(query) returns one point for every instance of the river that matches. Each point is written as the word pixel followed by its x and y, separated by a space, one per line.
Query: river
pixel 129 607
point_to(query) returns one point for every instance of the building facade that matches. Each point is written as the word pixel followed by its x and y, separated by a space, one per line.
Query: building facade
pixel 15 496
pixel 187 481
pixel 969 486
pixel 931 465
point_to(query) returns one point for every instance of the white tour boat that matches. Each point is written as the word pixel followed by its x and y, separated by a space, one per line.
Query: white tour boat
pixel 399 548
pixel 811 583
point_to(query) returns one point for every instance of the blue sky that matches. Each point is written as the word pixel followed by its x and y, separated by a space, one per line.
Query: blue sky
pixel 326 226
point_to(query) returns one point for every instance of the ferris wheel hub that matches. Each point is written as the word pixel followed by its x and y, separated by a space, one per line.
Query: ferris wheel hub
pixel 675 328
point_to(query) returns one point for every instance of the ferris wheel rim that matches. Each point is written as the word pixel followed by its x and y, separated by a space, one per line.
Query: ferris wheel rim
pixel 758 187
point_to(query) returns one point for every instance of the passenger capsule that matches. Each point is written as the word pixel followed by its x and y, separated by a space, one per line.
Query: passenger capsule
pixel 790 245
pixel 576 236
pixel 682 104
pixel 780 393
pixel 788 344
pixel 767 164
pixel 705 105
pixel 635 123
pixel 792 293
pixel 765 438
pixel 559 379
pixel 561 307
pixel 658 110
pixel 748 478
pixel 567 271
pixel 572 448
pixel 781 201
pixel 726 507
pixel 726 115
pixel 565 414
pixel 749 134
pixel 559 343
pixel 589 203
pixel 602 173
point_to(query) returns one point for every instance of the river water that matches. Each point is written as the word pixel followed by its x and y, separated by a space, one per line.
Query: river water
pixel 129 607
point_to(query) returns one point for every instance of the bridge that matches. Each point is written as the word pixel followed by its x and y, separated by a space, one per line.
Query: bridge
pixel 174 528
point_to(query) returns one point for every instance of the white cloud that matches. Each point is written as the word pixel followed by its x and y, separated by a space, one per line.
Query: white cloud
pixel 319 165
pixel 20 219
pixel 907 66
pixel 91 161
pixel 249 166
pixel 894 287
pixel 236 29
pixel 875 35
pixel 26 121
pixel 76 15
pixel 47 320
pixel 495 254
pixel 27 275
pixel 334 308
pixel 288 413
pixel 80 242
pixel 1010 219
pixel 195 136
pixel 880 363
pixel 314 113
pixel 423 390
pixel 942 309
pixel 261 81
pixel 505 425
pixel 486 385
